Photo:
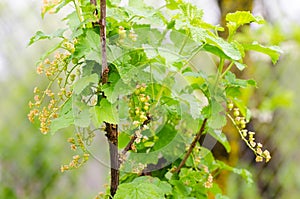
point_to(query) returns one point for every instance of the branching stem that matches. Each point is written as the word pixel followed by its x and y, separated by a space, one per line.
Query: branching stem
pixel 192 146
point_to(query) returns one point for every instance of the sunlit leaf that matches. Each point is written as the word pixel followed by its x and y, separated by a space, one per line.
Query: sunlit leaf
pixel 39 35
pixel 106 112
pixel 242 18
pixel 273 51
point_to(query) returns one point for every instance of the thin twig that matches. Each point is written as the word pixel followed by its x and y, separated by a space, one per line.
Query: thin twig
pixel 129 144
pixel 133 138
pixel 192 146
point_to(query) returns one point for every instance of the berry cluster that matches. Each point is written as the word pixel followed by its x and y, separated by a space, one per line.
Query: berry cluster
pixel 204 169
pixel 248 136
pixel 48 102
pixel 122 34
pixel 139 106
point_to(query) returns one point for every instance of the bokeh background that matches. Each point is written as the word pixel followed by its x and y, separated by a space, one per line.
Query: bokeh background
pixel 30 161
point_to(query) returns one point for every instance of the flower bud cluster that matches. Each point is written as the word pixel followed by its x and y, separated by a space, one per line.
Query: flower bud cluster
pixel 48 6
pixel 58 64
pixel 248 136
pixel 209 177
pixel 47 103
pixel 77 160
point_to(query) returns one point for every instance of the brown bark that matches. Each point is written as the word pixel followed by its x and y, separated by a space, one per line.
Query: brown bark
pixel 111 129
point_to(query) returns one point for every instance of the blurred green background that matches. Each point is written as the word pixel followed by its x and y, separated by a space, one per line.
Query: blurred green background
pixel 30 161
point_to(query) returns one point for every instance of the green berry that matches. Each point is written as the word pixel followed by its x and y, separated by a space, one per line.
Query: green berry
pixel 146 108
pixel 230 106
pixel 236 112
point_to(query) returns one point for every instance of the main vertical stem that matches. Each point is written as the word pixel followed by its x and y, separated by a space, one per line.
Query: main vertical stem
pixel 111 129
pixel 102 24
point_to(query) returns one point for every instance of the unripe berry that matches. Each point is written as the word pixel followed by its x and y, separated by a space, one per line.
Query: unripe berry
pixel 143 99
pixel 143 89
pixel 146 108
pixel 136 92
pixel 122 32
pixel 230 106
pixel 137 112
pixel 243 126
pixel 236 112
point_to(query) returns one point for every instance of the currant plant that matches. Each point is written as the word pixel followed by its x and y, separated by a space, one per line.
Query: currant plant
pixel 128 71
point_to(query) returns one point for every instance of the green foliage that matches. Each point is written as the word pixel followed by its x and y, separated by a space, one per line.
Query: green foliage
pixel 154 94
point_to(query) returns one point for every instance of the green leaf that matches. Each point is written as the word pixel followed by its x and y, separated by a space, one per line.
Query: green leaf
pixel 217 119
pixel 163 185
pixel 173 4
pixel 165 136
pixel 85 81
pixel 94 40
pixel 232 81
pixel 247 175
pixel 242 172
pixel 240 66
pixel 89 46
pixel 106 112
pixel 82 118
pixel 181 190
pixel 61 122
pixel 39 35
pixel 208 158
pixel 74 24
pixel 138 191
pixel 227 48
pixel 191 13
pixel 221 137
pixel 243 17
pixel 65 118
pixel 124 138
pixel 240 18
pixel 272 51
pixel 215 50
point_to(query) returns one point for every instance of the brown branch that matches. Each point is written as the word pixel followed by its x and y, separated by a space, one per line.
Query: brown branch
pixel 112 136
pixel 102 24
pixel 129 144
pixel 192 146
pixel 94 2
pixel 111 129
